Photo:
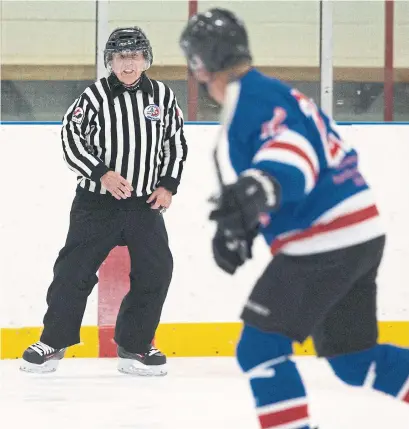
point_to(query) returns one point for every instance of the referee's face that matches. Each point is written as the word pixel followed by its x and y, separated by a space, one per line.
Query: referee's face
pixel 128 66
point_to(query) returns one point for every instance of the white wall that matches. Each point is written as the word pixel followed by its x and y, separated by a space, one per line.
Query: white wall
pixel 282 33
pixel 35 206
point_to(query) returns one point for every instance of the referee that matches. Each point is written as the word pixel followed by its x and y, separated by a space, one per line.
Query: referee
pixel 124 139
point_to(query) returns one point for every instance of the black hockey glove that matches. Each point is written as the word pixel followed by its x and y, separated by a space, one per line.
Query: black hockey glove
pixel 230 253
pixel 241 204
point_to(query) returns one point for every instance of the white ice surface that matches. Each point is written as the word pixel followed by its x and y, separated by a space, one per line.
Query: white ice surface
pixel 206 393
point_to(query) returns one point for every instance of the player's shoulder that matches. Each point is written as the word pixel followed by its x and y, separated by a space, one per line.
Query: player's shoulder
pixel 257 97
pixel 257 82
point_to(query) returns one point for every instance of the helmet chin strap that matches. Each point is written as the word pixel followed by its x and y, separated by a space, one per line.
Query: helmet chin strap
pixel 132 85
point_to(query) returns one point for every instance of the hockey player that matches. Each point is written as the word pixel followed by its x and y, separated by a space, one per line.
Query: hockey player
pixel 319 218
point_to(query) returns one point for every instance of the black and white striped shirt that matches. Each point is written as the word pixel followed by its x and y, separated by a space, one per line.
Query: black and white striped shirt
pixel 137 133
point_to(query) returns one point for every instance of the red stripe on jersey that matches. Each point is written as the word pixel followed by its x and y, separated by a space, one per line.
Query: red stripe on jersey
pixel 406 398
pixel 292 148
pixel 277 418
pixel 338 223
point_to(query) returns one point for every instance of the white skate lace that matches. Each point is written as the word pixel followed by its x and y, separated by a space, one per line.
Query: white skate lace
pixel 153 351
pixel 42 349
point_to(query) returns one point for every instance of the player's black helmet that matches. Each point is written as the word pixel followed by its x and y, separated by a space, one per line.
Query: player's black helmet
pixel 127 40
pixel 217 39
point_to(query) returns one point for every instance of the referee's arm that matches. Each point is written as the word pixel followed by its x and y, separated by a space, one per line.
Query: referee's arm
pixel 76 126
pixel 175 148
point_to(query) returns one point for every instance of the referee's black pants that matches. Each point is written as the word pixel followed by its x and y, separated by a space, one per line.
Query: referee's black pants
pixel 97 225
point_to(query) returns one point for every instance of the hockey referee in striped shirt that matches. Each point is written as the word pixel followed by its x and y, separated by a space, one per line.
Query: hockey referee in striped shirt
pixel 124 139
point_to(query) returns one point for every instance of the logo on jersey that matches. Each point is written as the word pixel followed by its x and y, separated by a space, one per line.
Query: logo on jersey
pixel 78 115
pixel 152 112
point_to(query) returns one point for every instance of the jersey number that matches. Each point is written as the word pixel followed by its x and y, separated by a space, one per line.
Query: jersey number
pixel 334 148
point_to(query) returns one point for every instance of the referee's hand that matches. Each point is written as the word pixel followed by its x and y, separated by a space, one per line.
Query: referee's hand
pixel 119 187
pixel 160 199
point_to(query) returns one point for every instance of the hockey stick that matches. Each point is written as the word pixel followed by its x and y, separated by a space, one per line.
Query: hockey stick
pixel 235 243
pixel 226 116
pixel 216 162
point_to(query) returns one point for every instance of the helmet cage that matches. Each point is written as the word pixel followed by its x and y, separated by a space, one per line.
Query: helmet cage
pixel 127 40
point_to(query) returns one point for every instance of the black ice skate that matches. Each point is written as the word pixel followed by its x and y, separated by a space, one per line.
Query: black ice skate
pixel 151 363
pixel 40 358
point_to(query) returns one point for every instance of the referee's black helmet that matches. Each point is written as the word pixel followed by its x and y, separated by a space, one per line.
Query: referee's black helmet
pixel 129 39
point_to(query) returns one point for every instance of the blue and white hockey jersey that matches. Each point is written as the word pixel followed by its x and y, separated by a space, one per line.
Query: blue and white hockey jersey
pixel 325 203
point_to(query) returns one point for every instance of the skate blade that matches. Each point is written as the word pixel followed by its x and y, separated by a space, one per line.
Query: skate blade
pixel 132 367
pixel 45 368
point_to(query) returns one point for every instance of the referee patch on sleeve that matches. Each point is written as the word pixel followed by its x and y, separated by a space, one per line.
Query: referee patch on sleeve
pixel 78 115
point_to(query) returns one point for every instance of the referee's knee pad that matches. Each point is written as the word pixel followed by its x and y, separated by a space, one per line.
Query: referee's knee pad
pixel 257 347
pixel 383 367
